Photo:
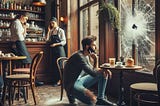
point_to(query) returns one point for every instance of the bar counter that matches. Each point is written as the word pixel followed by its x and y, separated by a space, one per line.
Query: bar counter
pixel 44 72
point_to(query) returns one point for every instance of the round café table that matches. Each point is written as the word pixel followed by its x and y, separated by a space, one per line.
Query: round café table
pixel 121 69
pixel 9 60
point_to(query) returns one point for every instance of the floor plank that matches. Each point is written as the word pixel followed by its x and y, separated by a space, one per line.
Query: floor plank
pixel 47 95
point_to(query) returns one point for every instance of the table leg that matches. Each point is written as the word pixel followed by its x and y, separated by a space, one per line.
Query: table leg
pixel 121 91
pixel 10 67
pixel 1 70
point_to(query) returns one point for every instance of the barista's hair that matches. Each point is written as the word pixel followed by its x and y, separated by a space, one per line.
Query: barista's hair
pixel 88 40
pixel 53 19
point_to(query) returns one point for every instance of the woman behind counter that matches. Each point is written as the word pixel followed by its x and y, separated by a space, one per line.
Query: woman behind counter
pixel 56 39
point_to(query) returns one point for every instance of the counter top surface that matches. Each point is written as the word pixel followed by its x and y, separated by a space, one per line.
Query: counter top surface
pixel 27 42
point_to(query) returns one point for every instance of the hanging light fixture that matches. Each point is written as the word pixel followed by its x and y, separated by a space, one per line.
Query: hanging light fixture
pixel 39 2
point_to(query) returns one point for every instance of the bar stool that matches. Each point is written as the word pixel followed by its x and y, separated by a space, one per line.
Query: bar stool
pixel 146 99
pixel 144 89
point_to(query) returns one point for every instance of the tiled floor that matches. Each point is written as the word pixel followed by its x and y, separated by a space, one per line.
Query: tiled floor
pixel 47 96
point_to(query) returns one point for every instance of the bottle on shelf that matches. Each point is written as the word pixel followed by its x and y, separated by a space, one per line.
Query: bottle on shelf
pixel 11 5
pixel 14 5
pixel 7 5
pixel 25 7
pixel 1 5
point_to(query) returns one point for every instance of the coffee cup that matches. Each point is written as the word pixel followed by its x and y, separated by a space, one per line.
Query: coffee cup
pixel 119 63
pixel 8 55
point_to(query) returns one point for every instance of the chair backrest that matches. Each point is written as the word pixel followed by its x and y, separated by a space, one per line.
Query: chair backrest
pixel 156 73
pixel 158 81
pixel 60 64
pixel 64 63
pixel 155 69
pixel 34 64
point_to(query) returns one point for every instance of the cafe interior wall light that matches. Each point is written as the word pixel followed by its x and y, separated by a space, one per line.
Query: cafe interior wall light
pixel 39 2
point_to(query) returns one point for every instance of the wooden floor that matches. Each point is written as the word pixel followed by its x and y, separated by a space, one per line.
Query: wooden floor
pixel 47 95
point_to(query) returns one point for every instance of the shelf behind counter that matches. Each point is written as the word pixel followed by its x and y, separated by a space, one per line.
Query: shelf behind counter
pixel 44 72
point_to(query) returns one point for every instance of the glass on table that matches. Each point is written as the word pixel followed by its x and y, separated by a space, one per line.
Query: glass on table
pixel 112 61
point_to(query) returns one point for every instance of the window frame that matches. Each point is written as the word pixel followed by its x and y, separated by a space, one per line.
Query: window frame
pixel 81 8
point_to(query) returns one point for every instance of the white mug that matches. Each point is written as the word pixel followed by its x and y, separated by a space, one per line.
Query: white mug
pixel 119 63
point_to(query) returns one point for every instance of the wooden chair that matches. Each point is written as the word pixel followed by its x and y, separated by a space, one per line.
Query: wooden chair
pixel 23 80
pixel 60 63
pixel 149 99
pixel 1 89
pixel 21 70
pixel 144 87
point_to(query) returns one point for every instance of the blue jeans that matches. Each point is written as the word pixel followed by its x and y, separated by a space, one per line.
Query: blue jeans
pixel 86 82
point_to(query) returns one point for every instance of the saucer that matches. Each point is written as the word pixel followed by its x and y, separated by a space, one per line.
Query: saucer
pixel 119 66
pixel 106 65
pixel 129 66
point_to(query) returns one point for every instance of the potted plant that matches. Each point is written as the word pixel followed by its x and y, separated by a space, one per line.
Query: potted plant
pixel 109 13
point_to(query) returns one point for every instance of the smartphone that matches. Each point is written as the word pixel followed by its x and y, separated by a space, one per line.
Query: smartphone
pixel 91 50
pixel 50 26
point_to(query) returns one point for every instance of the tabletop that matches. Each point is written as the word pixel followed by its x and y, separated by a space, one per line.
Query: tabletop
pixel 12 57
pixel 9 59
pixel 123 67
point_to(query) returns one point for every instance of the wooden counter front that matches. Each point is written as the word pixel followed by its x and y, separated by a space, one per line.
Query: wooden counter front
pixel 44 73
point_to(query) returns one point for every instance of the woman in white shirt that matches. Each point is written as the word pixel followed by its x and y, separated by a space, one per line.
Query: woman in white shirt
pixel 56 39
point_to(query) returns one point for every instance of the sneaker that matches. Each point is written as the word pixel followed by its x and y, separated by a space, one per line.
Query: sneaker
pixel 105 102
pixel 55 85
pixel 71 99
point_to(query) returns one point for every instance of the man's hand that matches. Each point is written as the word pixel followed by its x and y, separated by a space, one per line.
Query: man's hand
pixel 94 60
pixel 94 56
pixel 49 28
pixel 106 73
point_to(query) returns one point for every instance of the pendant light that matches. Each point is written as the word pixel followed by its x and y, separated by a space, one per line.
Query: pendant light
pixel 39 2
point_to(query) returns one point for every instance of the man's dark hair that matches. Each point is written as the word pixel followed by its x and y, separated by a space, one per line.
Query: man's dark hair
pixel 25 14
pixel 88 40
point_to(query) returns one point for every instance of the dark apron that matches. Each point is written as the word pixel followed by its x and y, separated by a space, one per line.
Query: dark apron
pixel 56 52
pixel 21 50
